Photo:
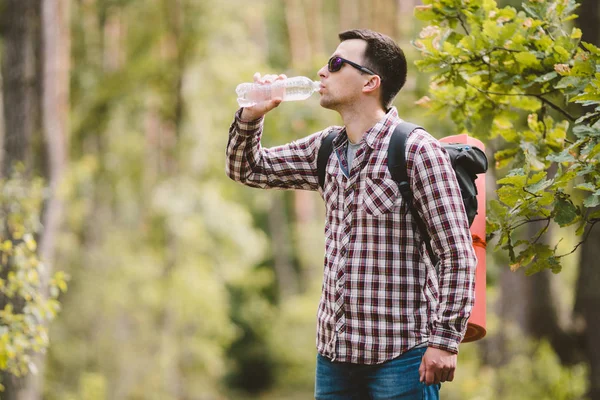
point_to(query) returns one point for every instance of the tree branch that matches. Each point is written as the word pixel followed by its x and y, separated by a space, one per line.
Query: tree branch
pixel 587 234
pixel 538 96
pixel 554 106
pixel 462 23
pixel 529 221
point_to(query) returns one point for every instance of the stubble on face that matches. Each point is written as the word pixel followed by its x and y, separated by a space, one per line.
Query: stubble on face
pixel 338 86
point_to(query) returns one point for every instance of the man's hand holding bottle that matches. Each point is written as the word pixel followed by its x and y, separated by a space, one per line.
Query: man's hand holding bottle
pixel 262 107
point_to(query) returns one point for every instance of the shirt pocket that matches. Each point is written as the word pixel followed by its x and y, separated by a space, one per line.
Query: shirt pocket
pixel 380 195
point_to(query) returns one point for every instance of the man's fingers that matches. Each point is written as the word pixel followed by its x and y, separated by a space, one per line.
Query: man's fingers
pixel 276 101
pixel 422 371
pixel 451 375
pixel 443 376
pixel 430 376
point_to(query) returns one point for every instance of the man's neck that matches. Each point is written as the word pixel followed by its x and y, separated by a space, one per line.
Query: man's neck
pixel 359 120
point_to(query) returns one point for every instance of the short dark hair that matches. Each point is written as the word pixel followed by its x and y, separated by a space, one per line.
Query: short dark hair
pixel 384 57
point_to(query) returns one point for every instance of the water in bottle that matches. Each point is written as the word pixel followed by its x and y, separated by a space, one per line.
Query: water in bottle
pixel 290 89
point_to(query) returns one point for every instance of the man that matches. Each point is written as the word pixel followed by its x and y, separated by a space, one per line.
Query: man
pixel 386 329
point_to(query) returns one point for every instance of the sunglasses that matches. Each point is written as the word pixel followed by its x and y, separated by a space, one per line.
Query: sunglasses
pixel 336 63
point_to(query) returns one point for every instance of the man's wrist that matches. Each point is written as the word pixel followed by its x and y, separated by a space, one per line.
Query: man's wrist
pixel 443 339
pixel 447 349
pixel 248 116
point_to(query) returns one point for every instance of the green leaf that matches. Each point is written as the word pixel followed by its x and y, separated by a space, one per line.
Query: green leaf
pixel 568 82
pixel 531 11
pixel 527 59
pixel 581 228
pixel 514 180
pixel 425 13
pixel 591 48
pixel 592 152
pixel 587 186
pixel 592 201
pixel 565 212
pixel 497 210
pixel 504 157
pixel 546 77
pixel 594 215
pixel 563 156
pixel 582 131
pixel 563 52
pixel 540 186
pixel 541 263
pixel 491 30
pixel 582 68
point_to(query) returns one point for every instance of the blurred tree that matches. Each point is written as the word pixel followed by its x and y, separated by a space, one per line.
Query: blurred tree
pixel 21 81
pixel 35 71
pixel 154 238
pixel 587 301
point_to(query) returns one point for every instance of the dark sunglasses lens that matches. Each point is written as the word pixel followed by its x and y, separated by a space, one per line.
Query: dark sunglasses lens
pixel 335 63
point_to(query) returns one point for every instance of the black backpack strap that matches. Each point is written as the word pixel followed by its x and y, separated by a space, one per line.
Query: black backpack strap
pixel 323 156
pixel 397 168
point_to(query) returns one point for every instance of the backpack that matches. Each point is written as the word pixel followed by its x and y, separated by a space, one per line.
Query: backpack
pixel 467 161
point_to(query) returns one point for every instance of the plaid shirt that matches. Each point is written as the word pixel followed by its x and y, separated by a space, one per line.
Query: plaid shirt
pixel 380 293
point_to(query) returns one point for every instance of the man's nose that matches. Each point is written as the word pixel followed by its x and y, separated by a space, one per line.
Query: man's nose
pixel 323 71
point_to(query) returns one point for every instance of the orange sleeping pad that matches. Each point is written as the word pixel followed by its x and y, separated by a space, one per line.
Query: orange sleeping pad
pixel 476 325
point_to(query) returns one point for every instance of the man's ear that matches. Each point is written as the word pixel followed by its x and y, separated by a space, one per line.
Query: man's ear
pixel 372 84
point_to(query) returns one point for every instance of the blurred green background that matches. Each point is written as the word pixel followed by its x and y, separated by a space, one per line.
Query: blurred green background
pixel 182 283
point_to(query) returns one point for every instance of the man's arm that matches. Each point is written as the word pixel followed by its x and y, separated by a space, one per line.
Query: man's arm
pixel 437 195
pixel 291 166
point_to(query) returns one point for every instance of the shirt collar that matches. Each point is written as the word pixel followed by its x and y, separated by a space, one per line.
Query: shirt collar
pixel 381 128
pixel 375 133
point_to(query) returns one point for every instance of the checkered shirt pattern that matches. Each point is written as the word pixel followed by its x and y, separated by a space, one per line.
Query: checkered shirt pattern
pixel 381 295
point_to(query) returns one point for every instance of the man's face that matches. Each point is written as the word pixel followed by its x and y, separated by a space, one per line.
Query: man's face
pixel 344 86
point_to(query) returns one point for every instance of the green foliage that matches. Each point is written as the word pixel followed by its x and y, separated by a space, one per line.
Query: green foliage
pixel 534 372
pixel 28 300
pixel 499 72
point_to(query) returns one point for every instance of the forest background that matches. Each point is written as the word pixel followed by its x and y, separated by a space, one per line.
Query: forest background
pixel 137 270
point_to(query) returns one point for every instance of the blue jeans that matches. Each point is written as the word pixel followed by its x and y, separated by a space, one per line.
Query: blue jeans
pixel 397 379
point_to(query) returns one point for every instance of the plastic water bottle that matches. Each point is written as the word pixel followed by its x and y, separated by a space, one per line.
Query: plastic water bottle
pixel 290 89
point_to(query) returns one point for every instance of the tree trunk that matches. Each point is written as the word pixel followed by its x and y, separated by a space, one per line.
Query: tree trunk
pixel 298 33
pixel 55 110
pixel 19 65
pixel 589 15
pixel 20 60
pixel 314 14
pixel 349 14
pixel 587 304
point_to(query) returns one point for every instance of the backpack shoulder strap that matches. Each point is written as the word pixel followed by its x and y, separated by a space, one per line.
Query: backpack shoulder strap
pixel 397 167
pixel 323 156
pixel 397 151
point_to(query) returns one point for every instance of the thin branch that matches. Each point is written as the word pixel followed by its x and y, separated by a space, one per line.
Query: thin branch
pixel 532 194
pixel 538 96
pixel 587 234
pixel 554 106
pixel 528 221
pixel 542 231
pixel 462 23
pixel 503 49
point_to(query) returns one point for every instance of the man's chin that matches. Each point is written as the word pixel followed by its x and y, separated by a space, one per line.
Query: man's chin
pixel 326 104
